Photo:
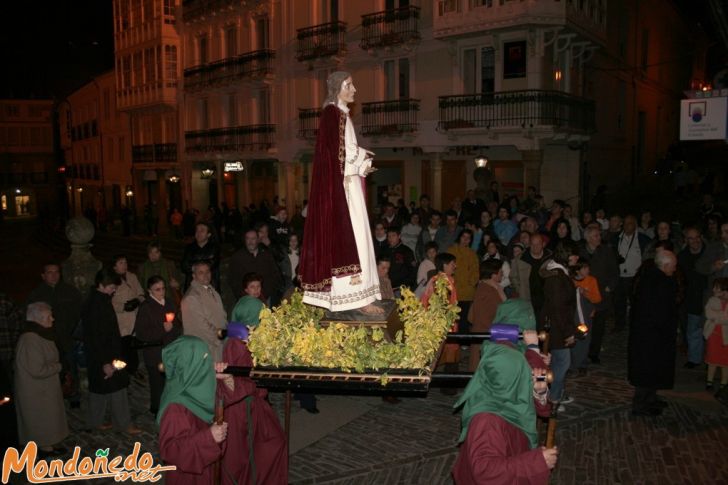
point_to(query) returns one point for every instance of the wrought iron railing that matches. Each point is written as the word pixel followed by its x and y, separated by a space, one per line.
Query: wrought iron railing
pixel 157 152
pixel 250 65
pixel 389 117
pixel 308 121
pixel 321 41
pixel 390 27
pixel 231 139
pixel 524 109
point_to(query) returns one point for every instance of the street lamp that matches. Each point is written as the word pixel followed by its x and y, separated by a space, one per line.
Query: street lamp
pixel 207 173
pixel 481 161
pixel 129 191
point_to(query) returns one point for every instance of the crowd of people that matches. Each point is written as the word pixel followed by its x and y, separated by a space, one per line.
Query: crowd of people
pixel 663 283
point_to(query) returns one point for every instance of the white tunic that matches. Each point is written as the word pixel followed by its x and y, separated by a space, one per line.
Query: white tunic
pixel 357 291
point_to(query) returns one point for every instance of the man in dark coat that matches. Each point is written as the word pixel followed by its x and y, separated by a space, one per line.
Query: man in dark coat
pixel 605 268
pixel 202 249
pixel 402 270
pixel 254 258
pixel 65 300
pixel 692 316
pixel 652 335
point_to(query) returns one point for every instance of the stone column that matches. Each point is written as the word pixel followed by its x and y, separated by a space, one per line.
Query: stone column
pixel 532 160
pixel 162 202
pixel 436 196
pixel 288 169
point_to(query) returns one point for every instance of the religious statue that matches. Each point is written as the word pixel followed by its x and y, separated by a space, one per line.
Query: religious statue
pixel 338 269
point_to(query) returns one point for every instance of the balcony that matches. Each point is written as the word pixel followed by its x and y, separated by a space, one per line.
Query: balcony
pixel 196 9
pixel 454 18
pixel 158 152
pixel 389 118
pixel 390 28
pixel 321 41
pixel 249 66
pixel 308 121
pixel 232 139
pixel 162 93
pixel 517 109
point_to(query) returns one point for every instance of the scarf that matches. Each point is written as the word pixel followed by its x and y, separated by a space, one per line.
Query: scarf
pixel 38 329
pixel 190 378
pixel 502 386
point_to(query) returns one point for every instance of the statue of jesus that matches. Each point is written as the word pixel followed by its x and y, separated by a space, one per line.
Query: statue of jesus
pixel 338 270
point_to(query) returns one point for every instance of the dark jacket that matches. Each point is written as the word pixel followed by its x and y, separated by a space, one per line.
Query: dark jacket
pixel 653 331
pixel 535 278
pixel 209 253
pixel 149 327
pixel 604 267
pixel 243 261
pixel 102 343
pixel 559 305
pixel 402 270
pixel 696 282
pixel 65 300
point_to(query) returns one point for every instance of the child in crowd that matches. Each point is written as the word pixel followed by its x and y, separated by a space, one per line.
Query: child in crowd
pixel 588 297
pixel 385 284
pixel 716 333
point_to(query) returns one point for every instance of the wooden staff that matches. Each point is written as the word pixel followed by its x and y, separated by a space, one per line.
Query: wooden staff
pixel 219 419
pixel 546 340
pixel 551 431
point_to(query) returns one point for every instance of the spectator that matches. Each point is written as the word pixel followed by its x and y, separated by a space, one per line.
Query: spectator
pixel 157 329
pixel 466 277
pixel 492 195
pixel 473 206
pixel 380 239
pixel 126 299
pixel 426 266
pixel 473 227
pixel 424 210
pixel 176 220
pixel 631 247
pixel 255 259
pixel 604 267
pixel 488 295
pixel 428 234
pixel 556 214
pixel 576 233
pixel 647 226
pixel 587 297
pixel 447 234
pixel 247 309
pixel 411 233
pixel 663 232
pixel 504 227
pixel 520 273
pixel 390 217
pixel 696 284
pixel 713 261
pixel 652 335
pixel 601 217
pixel 202 311
pixel 385 284
pixel 614 229
pixel 289 263
pixel 492 251
pixel 156 265
pixel 560 231
pixel 402 270
pixel 202 249
pixel 716 333
pixel 535 257
pixel 39 399
pixel 65 302
pixel 106 382
pixel 279 229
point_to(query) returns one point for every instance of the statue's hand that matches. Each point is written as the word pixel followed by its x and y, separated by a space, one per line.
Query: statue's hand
pixel 369 170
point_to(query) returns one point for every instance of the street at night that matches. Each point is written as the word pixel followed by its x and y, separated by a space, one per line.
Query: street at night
pixel 364 242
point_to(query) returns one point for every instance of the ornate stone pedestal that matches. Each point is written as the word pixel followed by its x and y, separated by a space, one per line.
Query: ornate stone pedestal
pixel 81 267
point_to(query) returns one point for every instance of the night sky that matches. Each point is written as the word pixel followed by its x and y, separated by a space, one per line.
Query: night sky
pixel 52 47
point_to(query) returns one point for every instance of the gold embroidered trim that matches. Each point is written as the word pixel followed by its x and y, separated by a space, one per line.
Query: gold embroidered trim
pixel 342 140
pixel 320 285
pixel 338 300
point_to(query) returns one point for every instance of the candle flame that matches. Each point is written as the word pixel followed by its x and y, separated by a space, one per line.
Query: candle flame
pixel 169 316
pixel 118 364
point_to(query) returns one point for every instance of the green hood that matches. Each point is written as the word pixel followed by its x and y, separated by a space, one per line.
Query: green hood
pixel 502 385
pixel 516 312
pixel 190 378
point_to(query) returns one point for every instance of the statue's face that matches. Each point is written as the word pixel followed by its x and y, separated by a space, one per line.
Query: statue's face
pixel 346 94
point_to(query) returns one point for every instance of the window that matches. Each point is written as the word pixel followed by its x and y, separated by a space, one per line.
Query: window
pixel 12 110
pixel 645 49
pixel 150 67
pixel 202 114
pixel 137 66
pixel 126 71
pixel 478 70
pixel 123 15
pixel 621 104
pixel 232 110
pixel 481 3
pixel 107 103
pixel 231 40
pixel 136 12
pixel 396 79
pixel 263 102
pixel 110 149
pixel 261 30
pixel 330 10
pixel 448 6
pixel 202 56
pixel 122 141
pixel 170 61
pixel 148 10
pixel 514 59
pixel 168 12
pixel 69 127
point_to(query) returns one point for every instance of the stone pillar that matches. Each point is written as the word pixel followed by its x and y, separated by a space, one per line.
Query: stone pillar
pixel 81 267
pixel 532 160
pixel 162 202
pixel 289 173
pixel 219 177
pixel 436 196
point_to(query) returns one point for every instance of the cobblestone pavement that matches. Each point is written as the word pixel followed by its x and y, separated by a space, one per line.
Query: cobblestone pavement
pixel 414 442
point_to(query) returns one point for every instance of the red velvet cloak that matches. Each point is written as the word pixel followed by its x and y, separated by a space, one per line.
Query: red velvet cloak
pixel 329 248
pixel 246 405
pixel 497 453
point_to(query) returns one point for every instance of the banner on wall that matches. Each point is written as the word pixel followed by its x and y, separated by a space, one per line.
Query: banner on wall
pixel 704 119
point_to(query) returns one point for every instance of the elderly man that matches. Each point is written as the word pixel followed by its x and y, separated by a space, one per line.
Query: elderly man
pixel 202 311
pixel 652 335
pixel 66 301
pixel 40 410
pixel 255 259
